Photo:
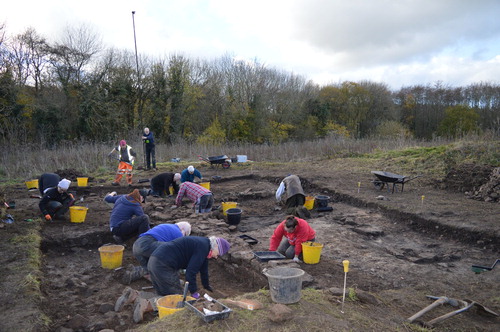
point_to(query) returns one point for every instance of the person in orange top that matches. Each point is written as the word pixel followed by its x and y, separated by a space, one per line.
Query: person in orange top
pixel 288 237
pixel 126 156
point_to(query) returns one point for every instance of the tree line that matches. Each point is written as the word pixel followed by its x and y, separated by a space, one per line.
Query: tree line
pixel 75 89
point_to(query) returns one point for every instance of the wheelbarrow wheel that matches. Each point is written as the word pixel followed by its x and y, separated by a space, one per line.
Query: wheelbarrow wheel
pixel 379 185
pixel 226 165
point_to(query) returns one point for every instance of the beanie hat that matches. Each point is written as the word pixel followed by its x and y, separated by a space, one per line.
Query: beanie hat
pixel 177 177
pixel 122 142
pixel 64 184
pixel 185 227
pixel 191 169
pixel 223 246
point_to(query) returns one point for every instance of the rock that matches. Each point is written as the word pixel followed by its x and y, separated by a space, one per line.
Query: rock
pixel 105 307
pixel 366 297
pixel 232 228
pixel 336 291
pixel 78 322
pixel 368 230
pixel 280 313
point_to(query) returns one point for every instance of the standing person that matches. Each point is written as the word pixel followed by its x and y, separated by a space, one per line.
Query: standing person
pixel 189 174
pixel 190 253
pixel 56 201
pixel 201 197
pixel 149 241
pixel 47 181
pixel 127 217
pixel 160 184
pixel 149 143
pixel 288 237
pixel 126 156
pixel 290 191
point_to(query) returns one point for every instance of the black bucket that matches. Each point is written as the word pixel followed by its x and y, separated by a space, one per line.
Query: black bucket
pixel 233 216
pixel 322 201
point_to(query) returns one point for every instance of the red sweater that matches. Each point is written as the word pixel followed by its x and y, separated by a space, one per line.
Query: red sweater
pixel 302 233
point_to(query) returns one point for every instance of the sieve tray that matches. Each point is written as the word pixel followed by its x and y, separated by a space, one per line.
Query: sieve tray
pixel 265 256
pixel 249 239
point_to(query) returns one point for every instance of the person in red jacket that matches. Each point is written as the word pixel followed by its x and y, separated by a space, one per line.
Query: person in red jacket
pixel 288 237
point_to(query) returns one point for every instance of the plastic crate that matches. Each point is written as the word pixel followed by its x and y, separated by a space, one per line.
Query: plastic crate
pixel 265 256
pixel 209 318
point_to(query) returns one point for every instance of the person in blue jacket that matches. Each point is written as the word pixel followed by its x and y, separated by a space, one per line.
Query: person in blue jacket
pixel 190 253
pixel 127 217
pixel 189 174
pixel 149 143
pixel 148 242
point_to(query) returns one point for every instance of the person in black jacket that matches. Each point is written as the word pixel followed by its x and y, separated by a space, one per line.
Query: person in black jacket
pixel 160 184
pixel 56 201
pixel 47 181
pixel 188 252
pixel 149 143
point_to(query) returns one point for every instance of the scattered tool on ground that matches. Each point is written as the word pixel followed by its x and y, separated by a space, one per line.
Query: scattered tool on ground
pixel 440 300
pixel 180 304
pixel 346 269
pixel 478 268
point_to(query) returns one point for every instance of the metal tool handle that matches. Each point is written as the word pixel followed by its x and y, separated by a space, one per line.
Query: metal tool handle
pixel 450 314
pixel 184 295
pixel 428 308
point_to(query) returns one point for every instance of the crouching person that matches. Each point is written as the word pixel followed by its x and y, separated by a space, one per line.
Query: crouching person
pixel 56 201
pixel 148 242
pixel 190 253
pixel 127 217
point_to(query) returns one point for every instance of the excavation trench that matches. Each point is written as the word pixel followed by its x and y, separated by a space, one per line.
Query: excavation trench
pixel 387 250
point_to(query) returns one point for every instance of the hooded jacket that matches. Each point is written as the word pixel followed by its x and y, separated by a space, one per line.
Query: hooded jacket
pixel 124 209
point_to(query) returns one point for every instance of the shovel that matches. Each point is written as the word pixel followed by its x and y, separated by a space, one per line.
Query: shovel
pixel 180 304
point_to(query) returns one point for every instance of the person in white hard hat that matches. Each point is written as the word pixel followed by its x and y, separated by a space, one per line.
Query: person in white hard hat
pixel 56 201
pixel 189 174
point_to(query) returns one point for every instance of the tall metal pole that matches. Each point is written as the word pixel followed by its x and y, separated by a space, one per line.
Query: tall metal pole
pixel 138 87
pixel 135 43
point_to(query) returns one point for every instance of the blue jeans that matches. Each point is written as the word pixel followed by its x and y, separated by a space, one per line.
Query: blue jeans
pixel 205 203
pixel 143 248
pixel 165 279
pixel 286 249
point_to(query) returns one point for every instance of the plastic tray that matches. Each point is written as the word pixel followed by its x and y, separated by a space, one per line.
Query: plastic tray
pixel 265 256
pixel 209 318
pixel 249 239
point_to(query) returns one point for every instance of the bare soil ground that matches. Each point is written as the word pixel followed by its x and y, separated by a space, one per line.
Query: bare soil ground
pixel 401 246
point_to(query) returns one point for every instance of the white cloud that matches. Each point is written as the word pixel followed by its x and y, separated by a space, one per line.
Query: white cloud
pixel 398 42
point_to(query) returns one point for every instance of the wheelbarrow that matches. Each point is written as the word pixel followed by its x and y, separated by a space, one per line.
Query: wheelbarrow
pixel 385 178
pixel 224 160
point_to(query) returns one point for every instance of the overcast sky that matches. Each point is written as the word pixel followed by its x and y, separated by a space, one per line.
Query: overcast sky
pixel 397 42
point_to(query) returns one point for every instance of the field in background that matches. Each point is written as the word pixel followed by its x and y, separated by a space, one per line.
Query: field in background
pixel 20 163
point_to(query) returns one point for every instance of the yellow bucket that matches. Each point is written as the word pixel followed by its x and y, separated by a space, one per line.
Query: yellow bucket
pixel 111 256
pixel 82 182
pixel 77 213
pixel 167 305
pixel 205 185
pixel 311 252
pixel 228 205
pixel 32 184
pixel 309 204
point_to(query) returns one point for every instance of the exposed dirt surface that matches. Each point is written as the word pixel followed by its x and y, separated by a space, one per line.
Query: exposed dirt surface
pixel 401 246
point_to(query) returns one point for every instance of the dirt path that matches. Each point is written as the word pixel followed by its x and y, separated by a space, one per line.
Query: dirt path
pixel 400 248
